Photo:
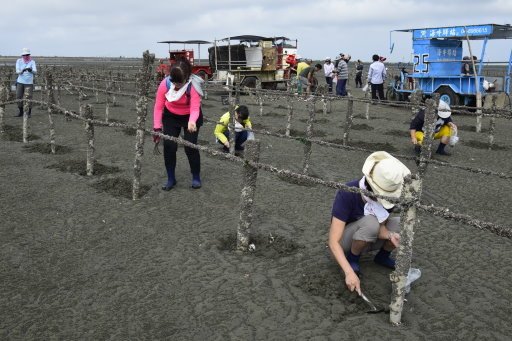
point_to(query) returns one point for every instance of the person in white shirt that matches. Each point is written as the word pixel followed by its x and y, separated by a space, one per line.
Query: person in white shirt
pixel 26 69
pixel 376 77
pixel 328 71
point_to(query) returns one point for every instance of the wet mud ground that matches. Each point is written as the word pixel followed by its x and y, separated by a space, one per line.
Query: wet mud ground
pixel 80 260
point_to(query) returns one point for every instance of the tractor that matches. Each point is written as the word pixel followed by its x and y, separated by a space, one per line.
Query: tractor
pixel 198 68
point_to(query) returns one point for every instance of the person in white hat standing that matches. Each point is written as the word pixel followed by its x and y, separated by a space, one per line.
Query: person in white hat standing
pixel 328 71
pixel 360 224
pixel 443 130
pixel 26 69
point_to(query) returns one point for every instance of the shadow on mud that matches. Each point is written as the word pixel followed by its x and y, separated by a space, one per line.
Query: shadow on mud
pixel 15 134
pixel 45 148
pixel 79 167
pixel 483 145
pixel 119 187
pixel 397 132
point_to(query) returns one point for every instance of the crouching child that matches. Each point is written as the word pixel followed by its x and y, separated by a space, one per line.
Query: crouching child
pixel 242 127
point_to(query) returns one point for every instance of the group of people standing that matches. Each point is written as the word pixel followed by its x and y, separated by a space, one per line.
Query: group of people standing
pixel 338 73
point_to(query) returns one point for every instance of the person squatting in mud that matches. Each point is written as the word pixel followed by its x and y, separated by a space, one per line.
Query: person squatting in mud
pixel 443 131
pixel 360 224
pixel 177 106
pixel 241 134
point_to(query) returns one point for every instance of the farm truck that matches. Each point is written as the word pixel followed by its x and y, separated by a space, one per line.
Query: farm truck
pixel 248 59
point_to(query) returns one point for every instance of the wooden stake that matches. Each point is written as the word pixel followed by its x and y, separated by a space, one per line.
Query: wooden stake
pixel 348 120
pixel 408 219
pixel 141 104
pixel 428 132
pixel 26 109
pixel 309 135
pixel 492 123
pixel 51 102
pixel 250 174
pixel 4 94
pixel 89 132
pixel 290 115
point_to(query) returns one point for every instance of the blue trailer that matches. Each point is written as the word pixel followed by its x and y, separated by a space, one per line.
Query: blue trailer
pixel 438 59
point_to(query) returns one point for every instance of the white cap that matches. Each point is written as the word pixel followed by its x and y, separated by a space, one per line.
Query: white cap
pixel 25 51
pixel 443 109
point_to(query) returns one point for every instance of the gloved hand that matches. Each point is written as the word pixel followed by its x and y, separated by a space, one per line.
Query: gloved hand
pixel 156 138
pixel 29 69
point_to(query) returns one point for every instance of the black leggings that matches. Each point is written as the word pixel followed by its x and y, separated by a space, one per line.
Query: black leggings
pixel 172 125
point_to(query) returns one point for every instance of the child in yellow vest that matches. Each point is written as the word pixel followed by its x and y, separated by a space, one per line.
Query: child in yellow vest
pixel 242 123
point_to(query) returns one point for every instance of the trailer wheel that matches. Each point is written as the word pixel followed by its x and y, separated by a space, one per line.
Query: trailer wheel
pixel 249 82
pixel 448 95
pixel 269 85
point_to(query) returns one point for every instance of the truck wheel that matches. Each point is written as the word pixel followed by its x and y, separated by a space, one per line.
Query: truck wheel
pixel 249 82
pixel 448 95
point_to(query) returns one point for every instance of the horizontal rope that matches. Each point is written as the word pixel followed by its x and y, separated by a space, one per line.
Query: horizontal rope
pixel 443 212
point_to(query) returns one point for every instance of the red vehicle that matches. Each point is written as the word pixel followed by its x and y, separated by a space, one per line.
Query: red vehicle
pixel 202 70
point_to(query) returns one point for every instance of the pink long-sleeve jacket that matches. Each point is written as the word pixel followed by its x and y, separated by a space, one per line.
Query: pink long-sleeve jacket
pixel 183 106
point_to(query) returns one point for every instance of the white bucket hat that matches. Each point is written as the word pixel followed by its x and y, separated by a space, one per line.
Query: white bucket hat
pixel 443 110
pixel 25 51
pixel 385 174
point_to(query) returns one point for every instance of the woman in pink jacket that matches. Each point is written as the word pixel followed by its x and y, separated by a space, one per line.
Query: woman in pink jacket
pixel 177 106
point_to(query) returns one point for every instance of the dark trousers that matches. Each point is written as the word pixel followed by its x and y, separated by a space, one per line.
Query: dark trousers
pixel 20 91
pixel 172 125
pixel 240 138
pixel 328 80
pixel 378 88
pixel 341 87
pixel 359 81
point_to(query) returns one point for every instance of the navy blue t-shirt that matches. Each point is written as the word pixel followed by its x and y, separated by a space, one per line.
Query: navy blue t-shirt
pixel 347 206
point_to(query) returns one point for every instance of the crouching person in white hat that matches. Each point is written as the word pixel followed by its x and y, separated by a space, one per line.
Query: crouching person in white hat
pixel 443 130
pixel 360 224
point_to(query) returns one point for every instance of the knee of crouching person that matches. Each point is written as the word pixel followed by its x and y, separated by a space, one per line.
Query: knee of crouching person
pixel 370 225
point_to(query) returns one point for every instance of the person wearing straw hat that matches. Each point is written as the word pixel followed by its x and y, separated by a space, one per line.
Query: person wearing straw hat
pixel 360 223
pixel 444 128
pixel 26 69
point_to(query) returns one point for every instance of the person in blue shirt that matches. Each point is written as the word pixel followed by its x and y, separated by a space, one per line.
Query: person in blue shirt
pixel 26 69
pixel 361 223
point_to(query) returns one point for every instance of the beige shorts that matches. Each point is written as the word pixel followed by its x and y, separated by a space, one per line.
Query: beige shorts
pixel 367 229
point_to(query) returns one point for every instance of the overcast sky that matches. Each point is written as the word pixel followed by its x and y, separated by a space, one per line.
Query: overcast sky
pixel 323 27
